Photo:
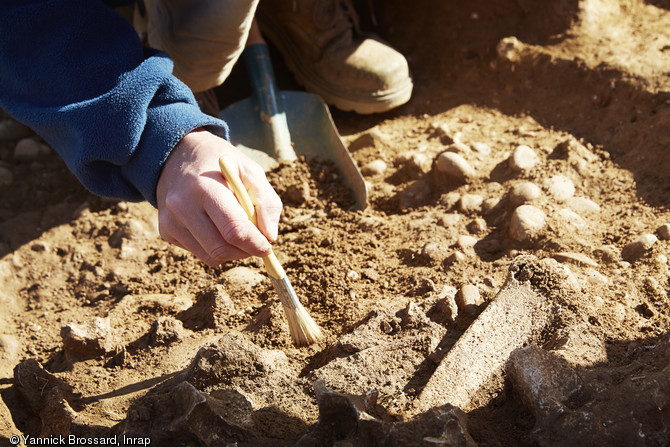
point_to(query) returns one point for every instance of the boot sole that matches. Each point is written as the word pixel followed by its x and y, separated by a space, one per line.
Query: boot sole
pixel 347 101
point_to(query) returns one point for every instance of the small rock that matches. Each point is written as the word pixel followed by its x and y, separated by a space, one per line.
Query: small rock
pixel 482 148
pixel 450 199
pixel 572 220
pixel 447 305
pixel 6 176
pixel 663 232
pixel 87 340
pixel 10 350
pixel 560 187
pixel 243 280
pixel 458 148
pixel 639 247
pixel 619 312
pixel 433 252
pixel 583 206
pixel 352 275
pixel 27 150
pixel 11 130
pixel 454 166
pixel 477 226
pixel 211 309
pixel 40 247
pixel 450 220
pixel 523 193
pixel 442 131
pixel 129 231
pixel 375 167
pixel 415 162
pixel 371 138
pixel 595 277
pixel 526 222
pixel 165 331
pixel 466 242
pixel 454 258
pixel 469 299
pixel 490 204
pixel 471 203
pixel 523 159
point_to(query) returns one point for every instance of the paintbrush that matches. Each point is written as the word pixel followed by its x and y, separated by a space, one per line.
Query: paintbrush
pixel 303 329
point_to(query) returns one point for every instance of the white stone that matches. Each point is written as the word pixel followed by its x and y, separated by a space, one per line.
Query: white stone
pixel 469 297
pixel 572 220
pixel 526 222
pixel 560 187
pixel 471 203
pixel 374 167
pixel 454 166
pixel 482 148
pixel 583 205
pixel 523 159
pixel 6 176
pixel 352 275
pixel 466 241
pixel 523 193
pixel 639 247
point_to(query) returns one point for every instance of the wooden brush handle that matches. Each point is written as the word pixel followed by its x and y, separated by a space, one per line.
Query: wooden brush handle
pixel 272 265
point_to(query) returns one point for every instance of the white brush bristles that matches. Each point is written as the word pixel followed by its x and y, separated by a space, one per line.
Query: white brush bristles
pixel 304 331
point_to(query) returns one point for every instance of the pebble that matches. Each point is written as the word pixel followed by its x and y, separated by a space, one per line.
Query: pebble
pixel 455 257
pixel 87 340
pixel 482 148
pixel 663 232
pixel 466 242
pixel 450 199
pixel 371 138
pixel 6 176
pixel 490 204
pixel 352 275
pixel 454 166
pixel 243 279
pixel 639 247
pixel 526 222
pixel 560 187
pixel 572 220
pixel 619 312
pixel 523 193
pixel 375 167
pixel 434 252
pixel 469 298
pixel 28 150
pixel 523 159
pixel 596 278
pixel 416 162
pixel 583 205
pixel 477 226
pixel 450 219
pixel 447 303
pixel 471 203
pixel 11 130
pixel 458 148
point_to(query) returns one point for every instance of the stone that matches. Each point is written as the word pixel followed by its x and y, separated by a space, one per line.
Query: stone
pixel 243 280
pixel 450 219
pixel 415 162
pixel 11 130
pixel 639 247
pixel 298 193
pixel 481 148
pixel 571 221
pixel 477 226
pixel 88 340
pixel 371 138
pixel 6 176
pixel 583 206
pixel 560 187
pixel 466 242
pixel 375 167
pixel 516 316
pixel 455 257
pixel 211 309
pixel 28 150
pixel 663 232
pixel 526 222
pixel 471 203
pixel 469 299
pixel 454 166
pixel 434 252
pixel 131 230
pixel 446 304
pixel 524 192
pixel 523 159
pixel 10 350
pixel 165 331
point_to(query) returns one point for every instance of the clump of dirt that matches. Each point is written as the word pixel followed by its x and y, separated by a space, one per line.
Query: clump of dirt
pixel 535 140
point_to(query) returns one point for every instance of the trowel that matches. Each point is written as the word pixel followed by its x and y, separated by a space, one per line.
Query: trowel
pixel 274 125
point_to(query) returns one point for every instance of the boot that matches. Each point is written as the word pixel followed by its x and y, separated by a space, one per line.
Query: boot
pixel 324 48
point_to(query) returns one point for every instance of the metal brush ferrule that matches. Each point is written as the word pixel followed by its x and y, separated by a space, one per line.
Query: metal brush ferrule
pixel 285 291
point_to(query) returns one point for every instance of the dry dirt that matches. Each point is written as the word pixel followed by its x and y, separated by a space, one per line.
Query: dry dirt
pixel 106 330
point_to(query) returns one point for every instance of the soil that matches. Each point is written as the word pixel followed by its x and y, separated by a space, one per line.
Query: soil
pixel 583 84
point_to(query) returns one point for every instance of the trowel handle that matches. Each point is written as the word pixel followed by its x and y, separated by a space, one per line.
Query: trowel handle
pixel 257 60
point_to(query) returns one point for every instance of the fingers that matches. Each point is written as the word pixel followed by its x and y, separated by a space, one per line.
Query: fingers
pixel 267 203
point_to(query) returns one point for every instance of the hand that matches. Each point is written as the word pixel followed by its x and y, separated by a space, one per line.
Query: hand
pixel 197 210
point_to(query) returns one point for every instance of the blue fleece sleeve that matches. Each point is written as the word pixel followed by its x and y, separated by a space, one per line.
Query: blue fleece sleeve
pixel 76 73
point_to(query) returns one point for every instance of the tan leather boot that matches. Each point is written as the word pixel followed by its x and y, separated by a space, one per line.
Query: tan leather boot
pixel 324 48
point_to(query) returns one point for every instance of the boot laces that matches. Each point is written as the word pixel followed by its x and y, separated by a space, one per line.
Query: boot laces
pixel 335 17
